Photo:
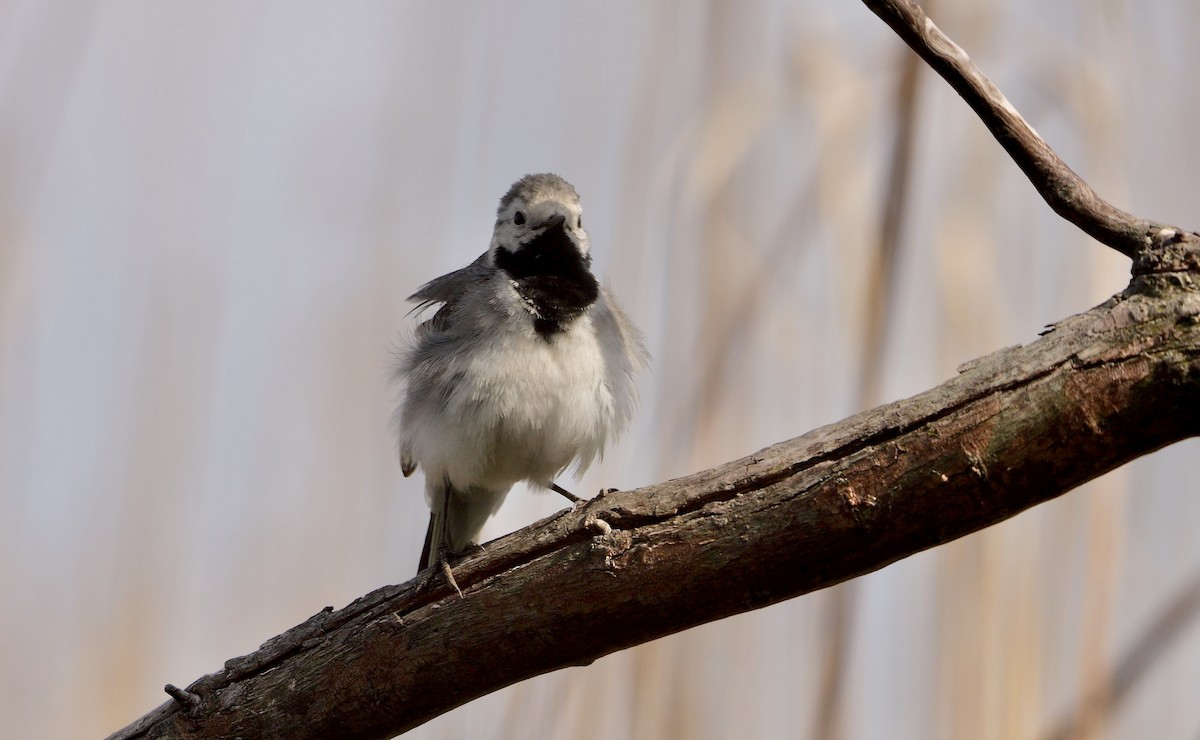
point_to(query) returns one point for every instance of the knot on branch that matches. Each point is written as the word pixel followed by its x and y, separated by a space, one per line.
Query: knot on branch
pixel 1168 249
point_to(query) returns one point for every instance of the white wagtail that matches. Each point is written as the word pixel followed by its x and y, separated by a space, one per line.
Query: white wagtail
pixel 527 368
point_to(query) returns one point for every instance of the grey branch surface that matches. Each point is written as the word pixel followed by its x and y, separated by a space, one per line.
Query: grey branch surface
pixel 1011 430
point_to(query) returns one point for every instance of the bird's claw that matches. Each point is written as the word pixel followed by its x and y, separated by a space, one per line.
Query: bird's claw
pixel 442 567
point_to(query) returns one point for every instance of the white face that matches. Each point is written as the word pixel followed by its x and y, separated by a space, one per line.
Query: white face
pixel 521 221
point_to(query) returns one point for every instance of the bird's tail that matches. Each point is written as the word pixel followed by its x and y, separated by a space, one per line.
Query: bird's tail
pixel 428 550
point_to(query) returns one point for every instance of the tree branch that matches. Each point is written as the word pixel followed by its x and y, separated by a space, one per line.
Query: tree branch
pixel 1011 430
pixel 1064 191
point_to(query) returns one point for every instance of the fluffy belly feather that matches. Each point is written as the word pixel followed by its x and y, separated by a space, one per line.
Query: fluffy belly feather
pixel 527 410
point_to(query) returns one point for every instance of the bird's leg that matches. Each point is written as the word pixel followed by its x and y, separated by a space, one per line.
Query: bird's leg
pixel 443 555
pixel 565 493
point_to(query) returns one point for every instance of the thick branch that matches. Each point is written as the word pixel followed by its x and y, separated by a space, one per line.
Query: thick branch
pixel 1065 191
pixel 1012 430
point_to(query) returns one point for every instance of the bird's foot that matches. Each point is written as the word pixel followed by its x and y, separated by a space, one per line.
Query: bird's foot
pixel 442 567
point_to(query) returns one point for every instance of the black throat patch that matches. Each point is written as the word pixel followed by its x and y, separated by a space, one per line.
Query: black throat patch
pixel 552 277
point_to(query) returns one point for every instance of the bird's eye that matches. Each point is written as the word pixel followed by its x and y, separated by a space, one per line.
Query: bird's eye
pixel 519 218
pixel 579 222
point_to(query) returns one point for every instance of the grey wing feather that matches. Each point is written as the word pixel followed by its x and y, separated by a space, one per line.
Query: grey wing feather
pixel 448 287
pixel 447 290
pixel 614 324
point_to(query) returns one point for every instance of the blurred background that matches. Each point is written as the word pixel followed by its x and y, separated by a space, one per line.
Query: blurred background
pixel 210 217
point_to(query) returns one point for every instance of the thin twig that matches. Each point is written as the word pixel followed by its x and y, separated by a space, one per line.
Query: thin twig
pixel 1061 188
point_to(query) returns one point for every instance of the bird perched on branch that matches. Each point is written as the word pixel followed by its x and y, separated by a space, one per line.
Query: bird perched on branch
pixel 526 369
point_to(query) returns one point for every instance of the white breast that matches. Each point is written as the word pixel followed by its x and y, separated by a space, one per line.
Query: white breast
pixel 528 407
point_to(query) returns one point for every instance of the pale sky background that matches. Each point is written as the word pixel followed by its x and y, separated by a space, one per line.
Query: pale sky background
pixel 210 216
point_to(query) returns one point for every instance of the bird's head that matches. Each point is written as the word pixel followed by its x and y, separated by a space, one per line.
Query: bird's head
pixel 540 244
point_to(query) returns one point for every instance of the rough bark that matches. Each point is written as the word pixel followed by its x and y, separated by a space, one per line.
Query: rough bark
pixel 1011 430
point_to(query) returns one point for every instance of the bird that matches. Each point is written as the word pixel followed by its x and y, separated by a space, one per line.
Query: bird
pixel 527 368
